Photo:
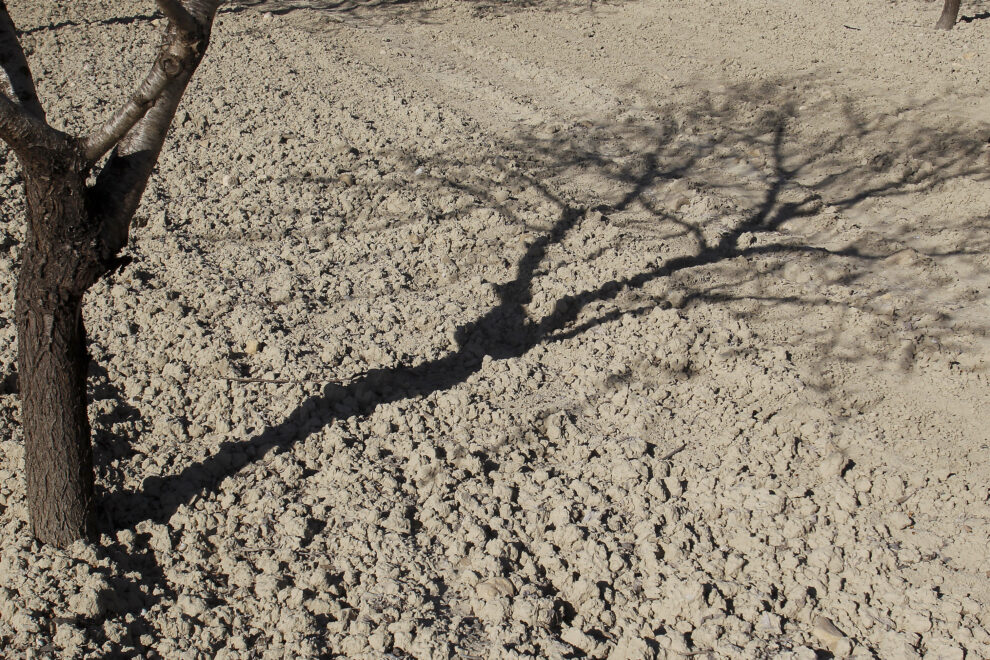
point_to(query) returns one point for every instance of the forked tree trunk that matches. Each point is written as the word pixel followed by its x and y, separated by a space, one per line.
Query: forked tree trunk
pixel 59 263
pixel 73 236
pixel 950 12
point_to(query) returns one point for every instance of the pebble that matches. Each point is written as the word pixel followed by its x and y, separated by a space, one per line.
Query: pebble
pixel 771 623
pixel 578 639
pixel 918 623
pixel 899 520
pixel 23 622
pixel 827 632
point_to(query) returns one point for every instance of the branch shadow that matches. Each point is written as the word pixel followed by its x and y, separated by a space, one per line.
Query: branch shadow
pixel 412 10
pixel 507 330
pixel 796 177
pixel 982 16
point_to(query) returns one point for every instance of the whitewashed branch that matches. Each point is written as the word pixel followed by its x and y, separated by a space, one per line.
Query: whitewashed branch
pixel 142 127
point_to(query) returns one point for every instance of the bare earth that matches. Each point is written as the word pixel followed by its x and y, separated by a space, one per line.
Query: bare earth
pixel 631 329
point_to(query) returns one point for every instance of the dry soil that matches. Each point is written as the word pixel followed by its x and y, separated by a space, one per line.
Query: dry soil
pixel 630 329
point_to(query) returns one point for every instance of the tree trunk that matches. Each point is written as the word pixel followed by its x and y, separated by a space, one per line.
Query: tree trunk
pixel 73 236
pixel 950 12
pixel 59 262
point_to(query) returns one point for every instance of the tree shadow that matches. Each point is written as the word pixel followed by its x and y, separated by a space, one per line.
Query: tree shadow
pixel 982 16
pixel 413 10
pixel 507 330
pixel 777 176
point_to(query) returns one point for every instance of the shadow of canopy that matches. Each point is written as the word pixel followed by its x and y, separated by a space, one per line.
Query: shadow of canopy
pixel 716 202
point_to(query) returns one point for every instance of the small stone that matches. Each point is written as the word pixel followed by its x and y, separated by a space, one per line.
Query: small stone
pixel 23 622
pixel 294 526
pixel 846 499
pixel 84 551
pixel 676 642
pixel 826 631
pixel 733 565
pixel 804 653
pixel 161 540
pixel 918 623
pixel 576 638
pixel 844 648
pixel 319 579
pixel 126 537
pixel 68 637
pixel 252 346
pixel 946 651
pixel 899 520
pixel 900 646
pixel 380 640
pixel 677 298
pixel 347 179
pixel 398 521
pixel 633 648
pixel 493 612
pixel 770 623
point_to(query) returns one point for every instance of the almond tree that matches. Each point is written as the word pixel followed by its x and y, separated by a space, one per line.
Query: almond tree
pixel 73 236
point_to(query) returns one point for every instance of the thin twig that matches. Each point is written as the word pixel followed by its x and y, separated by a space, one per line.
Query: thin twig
pixel 286 381
pixel 272 548
pixel 274 381
pixel 906 497
pixel 673 452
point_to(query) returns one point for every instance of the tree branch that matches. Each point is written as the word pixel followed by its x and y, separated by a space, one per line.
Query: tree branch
pixel 142 128
pixel 16 82
pixel 23 131
pixel 177 14
pixel 117 126
pixel 183 46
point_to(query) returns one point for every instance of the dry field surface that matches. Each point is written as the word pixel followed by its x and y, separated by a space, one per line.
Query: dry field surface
pixel 616 329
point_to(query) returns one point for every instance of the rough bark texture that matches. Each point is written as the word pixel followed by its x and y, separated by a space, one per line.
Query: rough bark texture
pixel 950 12
pixel 73 236
pixel 60 261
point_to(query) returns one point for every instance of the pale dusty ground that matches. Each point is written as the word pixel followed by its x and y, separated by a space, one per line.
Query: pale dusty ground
pixel 630 330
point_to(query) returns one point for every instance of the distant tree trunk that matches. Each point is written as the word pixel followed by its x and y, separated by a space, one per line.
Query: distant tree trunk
pixel 74 233
pixel 950 12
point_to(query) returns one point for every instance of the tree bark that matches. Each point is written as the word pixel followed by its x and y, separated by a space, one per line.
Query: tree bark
pixel 950 12
pixel 73 236
pixel 59 262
